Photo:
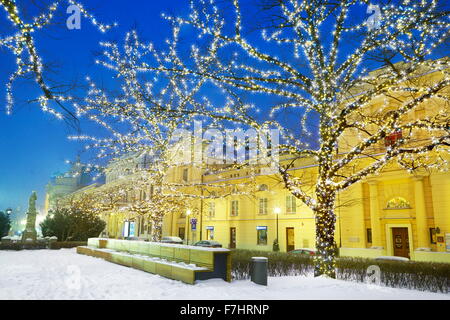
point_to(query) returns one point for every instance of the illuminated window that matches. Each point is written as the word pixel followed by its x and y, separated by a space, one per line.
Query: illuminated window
pixel 291 204
pixel 261 235
pixel 210 233
pixel 234 207
pixel 263 206
pixel 212 209
pixel 398 203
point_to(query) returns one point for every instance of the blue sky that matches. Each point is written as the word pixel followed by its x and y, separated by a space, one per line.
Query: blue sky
pixel 34 145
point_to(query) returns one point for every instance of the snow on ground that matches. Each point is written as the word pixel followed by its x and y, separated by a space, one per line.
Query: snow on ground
pixel 64 274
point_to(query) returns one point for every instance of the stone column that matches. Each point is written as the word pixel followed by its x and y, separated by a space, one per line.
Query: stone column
pixel 421 214
pixel 375 214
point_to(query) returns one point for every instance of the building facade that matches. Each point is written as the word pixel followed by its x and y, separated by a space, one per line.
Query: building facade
pixel 393 213
pixel 64 184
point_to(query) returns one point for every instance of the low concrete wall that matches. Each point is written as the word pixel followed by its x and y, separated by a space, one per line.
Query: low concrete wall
pixel 427 256
pixel 432 256
pixel 361 252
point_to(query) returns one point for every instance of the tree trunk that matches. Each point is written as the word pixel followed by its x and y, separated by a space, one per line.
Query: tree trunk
pixel 157 229
pixel 324 260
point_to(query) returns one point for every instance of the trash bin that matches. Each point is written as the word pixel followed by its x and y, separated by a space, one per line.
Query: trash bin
pixel 258 270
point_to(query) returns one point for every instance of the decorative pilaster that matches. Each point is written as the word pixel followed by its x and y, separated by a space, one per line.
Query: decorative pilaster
pixel 421 214
pixel 375 214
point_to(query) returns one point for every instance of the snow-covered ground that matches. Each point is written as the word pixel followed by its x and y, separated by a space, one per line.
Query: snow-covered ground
pixel 64 274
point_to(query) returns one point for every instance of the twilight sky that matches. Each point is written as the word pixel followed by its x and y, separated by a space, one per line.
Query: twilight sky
pixel 34 145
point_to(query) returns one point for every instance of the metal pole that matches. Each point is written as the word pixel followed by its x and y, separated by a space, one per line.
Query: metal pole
pixel 187 229
pixel 277 231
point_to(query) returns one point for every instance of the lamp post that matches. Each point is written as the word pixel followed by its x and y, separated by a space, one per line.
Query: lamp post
pixel 277 211
pixel 188 213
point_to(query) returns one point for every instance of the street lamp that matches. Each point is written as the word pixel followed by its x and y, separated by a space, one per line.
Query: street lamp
pixel 188 213
pixel 276 246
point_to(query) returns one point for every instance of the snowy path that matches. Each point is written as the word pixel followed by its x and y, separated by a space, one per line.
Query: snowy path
pixel 63 274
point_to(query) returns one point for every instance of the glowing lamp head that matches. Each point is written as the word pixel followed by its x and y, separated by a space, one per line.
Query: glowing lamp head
pixel 188 212
pixel 277 210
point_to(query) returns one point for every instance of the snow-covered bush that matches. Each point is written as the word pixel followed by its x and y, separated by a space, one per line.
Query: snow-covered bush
pixel 416 275
pixel 72 224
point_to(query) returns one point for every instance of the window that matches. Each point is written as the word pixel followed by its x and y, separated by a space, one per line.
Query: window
pixel 391 139
pixel 261 235
pixel 263 206
pixel 291 205
pixel 263 187
pixel 210 233
pixel 369 235
pixel 211 209
pixel 185 174
pixel 433 235
pixel 234 207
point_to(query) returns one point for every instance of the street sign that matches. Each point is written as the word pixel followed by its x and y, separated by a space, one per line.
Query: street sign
pixel 194 224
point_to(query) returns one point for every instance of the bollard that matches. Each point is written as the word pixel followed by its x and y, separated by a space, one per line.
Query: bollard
pixel 259 270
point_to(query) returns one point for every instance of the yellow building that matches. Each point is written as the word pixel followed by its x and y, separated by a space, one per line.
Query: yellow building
pixel 373 216
pixel 394 213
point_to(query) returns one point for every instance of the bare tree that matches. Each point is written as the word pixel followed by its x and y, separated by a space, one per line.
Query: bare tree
pixel 313 60
pixel 143 121
pixel 30 63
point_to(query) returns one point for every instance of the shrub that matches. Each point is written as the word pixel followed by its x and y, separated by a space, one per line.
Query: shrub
pixel 68 244
pixel 428 276
pixel 5 224
pixel 40 245
pixel 21 245
pixel 71 224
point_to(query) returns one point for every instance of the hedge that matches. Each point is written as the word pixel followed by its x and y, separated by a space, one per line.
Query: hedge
pixel 422 276
pixel 40 245
pixel 66 244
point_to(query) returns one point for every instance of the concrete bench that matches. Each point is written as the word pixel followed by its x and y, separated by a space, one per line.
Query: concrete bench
pixel 173 261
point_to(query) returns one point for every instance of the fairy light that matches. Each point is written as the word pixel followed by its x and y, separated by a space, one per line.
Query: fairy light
pixel 320 81
pixel 163 90
pixel 27 58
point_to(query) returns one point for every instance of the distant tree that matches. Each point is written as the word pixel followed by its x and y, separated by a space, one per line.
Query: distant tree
pixel 72 224
pixel 5 224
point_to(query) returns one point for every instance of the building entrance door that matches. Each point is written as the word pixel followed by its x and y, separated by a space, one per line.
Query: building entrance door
pixel 401 242
pixel 290 242
pixel 232 238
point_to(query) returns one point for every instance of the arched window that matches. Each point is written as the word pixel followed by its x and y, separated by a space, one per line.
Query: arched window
pixel 398 203
pixel 263 187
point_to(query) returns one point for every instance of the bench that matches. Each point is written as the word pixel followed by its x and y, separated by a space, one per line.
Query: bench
pixel 173 261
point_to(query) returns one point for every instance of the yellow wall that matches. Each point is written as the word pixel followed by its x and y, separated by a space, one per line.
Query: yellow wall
pixel 362 206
